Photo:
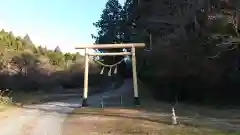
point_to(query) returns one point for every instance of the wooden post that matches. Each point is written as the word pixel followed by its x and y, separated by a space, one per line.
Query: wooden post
pixel 111 46
pixel 101 102
pixel 174 118
pixel 134 70
pixel 85 91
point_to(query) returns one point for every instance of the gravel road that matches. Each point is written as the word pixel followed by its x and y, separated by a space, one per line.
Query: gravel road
pixel 47 118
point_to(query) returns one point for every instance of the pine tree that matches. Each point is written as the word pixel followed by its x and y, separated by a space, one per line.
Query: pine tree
pixel 109 27
pixel 28 40
pixel 57 49
pixel 109 24
pixel 127 23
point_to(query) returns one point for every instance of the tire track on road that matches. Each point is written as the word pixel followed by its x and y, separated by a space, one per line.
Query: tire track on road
pixel 13 126
pixel 47 118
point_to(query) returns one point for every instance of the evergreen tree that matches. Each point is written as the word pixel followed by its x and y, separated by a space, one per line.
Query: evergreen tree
pixel 28 40
pixel 109 24
pixel 57 49
pixel 109 27
pixel 127 23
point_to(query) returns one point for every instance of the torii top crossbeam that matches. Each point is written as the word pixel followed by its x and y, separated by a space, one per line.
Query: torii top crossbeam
pixel 110 46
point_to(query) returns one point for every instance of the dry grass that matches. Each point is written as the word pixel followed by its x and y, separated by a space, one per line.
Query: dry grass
pixel 151 118
pixel 26 98
pixel 23 98
pixel 40 96
pixel 5 107
pixel 7 111
pixel 227 119
pixel 119 121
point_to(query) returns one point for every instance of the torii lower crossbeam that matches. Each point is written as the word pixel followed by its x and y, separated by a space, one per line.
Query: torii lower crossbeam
pixel 110 46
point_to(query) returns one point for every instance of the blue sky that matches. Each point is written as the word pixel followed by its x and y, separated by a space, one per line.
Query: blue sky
pixel 52 22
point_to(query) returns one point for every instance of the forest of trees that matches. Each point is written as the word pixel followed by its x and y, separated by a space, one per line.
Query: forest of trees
pixel 28 67
pixel 194 54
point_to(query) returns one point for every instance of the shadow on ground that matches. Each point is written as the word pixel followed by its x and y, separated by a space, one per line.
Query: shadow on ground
pixel 93 116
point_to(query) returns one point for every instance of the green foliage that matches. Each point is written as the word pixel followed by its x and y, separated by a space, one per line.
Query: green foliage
pixel 56 58
pixel 41 50
pixel 25 66
pixel 57 49
pixel 109 24
pixel 115 24
pixel 186 66
pixel 68 57
pixel 10 43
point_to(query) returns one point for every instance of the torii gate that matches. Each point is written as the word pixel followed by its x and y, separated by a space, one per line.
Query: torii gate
pixel 110 46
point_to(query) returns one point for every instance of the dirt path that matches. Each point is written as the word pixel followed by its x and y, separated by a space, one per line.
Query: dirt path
pixel 36 120
pixel 47 118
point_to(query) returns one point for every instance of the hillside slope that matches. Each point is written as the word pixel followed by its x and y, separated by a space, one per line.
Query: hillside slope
pixel 25 66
